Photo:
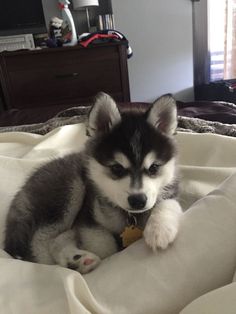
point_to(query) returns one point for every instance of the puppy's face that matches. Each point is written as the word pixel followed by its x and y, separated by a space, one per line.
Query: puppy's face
pixel 131 159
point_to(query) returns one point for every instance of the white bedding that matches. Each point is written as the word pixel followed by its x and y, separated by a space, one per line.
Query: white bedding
pixel 202 259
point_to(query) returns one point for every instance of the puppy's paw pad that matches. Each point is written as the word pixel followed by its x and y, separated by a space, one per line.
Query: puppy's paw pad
pixel 76 257
pixel 84 263
pixel 88 261
pixel 159 235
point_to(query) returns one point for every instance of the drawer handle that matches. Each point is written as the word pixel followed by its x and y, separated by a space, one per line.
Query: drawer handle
pixel 63 76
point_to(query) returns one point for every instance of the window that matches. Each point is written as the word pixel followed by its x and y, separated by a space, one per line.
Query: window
pixel 216 29
pixel 222 39
pixel 214 25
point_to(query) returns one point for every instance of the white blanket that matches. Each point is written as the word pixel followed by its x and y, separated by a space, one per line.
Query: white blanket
pixel 202 259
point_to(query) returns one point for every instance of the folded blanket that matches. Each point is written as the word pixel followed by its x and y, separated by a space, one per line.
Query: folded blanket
pixel 135 280
pixel 78 114
pixel 219 301
pixel 202 258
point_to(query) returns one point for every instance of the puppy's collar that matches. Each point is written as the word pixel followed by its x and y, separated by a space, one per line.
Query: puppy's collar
pixel 131 211
pixel 132 220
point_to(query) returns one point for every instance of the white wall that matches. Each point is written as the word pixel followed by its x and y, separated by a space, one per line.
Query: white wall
pixel 160 34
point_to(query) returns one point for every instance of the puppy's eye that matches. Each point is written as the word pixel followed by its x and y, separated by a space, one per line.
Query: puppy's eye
pixel 118 170
pixel 153 169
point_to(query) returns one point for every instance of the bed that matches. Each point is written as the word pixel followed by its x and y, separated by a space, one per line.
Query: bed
pixel 194 275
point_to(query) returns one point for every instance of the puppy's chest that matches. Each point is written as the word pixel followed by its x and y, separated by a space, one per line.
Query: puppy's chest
pixel 117 221
pixel 110 218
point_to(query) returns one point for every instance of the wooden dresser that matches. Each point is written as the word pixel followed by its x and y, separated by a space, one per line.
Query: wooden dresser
pixel 68 75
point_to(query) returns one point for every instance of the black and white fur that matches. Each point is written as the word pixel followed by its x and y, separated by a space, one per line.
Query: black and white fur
pixel 72 210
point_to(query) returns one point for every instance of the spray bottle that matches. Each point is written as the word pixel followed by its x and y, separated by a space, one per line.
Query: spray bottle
pixel 68 19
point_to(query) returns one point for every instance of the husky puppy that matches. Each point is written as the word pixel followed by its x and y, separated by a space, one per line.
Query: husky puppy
pixel 72 210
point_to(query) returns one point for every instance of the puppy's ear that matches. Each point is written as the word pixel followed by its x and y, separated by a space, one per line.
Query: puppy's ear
pixel 104 115
pixel 163 114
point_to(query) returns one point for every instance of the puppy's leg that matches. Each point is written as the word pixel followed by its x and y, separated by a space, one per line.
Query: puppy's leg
pixel 65 253
pixel 97 239
pixel 163 224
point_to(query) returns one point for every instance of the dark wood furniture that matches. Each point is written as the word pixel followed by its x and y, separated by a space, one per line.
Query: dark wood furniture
pixel 68 75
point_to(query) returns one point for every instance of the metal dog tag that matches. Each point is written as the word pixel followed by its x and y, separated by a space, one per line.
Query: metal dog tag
pixel 130 235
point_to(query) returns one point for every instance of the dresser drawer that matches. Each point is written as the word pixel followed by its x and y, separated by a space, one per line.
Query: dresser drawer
pixel 66 76
pixel 51 58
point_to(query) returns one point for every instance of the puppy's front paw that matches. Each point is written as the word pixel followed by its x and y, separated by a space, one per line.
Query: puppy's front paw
pixel 159 233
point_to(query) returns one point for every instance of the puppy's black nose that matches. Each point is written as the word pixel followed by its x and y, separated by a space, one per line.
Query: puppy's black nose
pixel 137 201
